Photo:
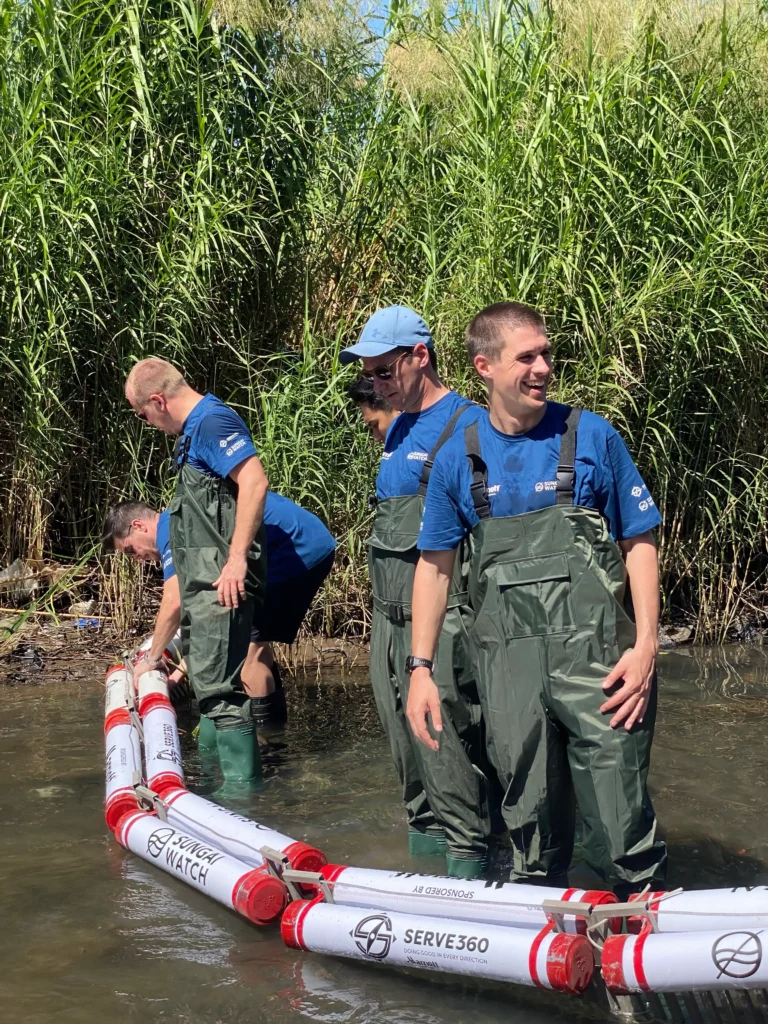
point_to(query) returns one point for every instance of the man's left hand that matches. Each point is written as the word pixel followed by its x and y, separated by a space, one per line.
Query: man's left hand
pixel 231 583
pixel 636 668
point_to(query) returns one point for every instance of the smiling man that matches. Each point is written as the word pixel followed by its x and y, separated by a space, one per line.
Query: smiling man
pixel 445 791
pixel 560 523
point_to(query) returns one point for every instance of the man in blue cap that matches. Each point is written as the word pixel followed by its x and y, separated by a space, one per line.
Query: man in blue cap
pixel 445 790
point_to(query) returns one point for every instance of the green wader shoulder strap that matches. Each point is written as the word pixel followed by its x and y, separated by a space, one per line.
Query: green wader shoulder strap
pixel 566 471
pixel 448 430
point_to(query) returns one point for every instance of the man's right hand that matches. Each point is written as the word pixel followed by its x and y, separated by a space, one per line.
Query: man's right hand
pixel 424 700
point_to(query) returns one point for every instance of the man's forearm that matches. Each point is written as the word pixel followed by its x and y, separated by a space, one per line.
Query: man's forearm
pixel 252 487
pixel 168 618
pixel 431 585
pixel 642 564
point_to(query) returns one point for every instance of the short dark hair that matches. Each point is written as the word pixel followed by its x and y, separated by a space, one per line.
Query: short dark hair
pixel 483 335
pixel 117 525
pixel 362 392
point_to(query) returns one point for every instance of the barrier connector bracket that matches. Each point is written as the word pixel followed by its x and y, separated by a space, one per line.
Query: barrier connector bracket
pixel 556 911
pixel 276 861
pixel 293 879
pixel 149 798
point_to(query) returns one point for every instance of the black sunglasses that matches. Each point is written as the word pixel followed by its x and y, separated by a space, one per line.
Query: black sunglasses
pixel 384 372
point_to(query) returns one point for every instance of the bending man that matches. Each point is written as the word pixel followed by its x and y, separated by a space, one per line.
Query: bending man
pixel 300 554
pixel 560 522
pixel 217 540
pixel 444 790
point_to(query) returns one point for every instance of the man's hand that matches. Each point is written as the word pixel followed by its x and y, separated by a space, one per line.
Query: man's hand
pixel 424 700
pixel 635 667
pixel 231 583
pixel 179 673
pixel 139 669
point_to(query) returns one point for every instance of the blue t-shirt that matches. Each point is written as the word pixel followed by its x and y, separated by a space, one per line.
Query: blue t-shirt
pixel 521 478
pixel 163 542
pixel 220 441
pixel 410 439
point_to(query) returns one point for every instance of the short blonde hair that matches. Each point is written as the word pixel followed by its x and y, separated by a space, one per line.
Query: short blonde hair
pixel 153 376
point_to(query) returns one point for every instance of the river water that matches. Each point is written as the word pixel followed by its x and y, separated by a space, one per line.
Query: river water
pixel 89 933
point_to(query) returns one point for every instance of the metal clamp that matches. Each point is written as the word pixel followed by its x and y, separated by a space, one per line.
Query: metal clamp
pixel 275 860
pixel 293 879
pixel 150 798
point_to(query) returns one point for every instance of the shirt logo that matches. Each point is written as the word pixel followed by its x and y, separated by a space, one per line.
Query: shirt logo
pixel 494 489
pixel 237 445
pixel 225 441
pixel 386 455
pixel 646 504
pixel 420 456
pixel 546 485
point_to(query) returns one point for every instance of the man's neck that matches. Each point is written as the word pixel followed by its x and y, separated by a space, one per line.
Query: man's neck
pixel 510 418
pixel 181 405
pixel 430 391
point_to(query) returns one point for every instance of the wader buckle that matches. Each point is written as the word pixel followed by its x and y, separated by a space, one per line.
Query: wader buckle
pixel 371 502
pixel 566 480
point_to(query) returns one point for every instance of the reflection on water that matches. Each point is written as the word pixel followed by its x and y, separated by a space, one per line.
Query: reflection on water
pixel 90 933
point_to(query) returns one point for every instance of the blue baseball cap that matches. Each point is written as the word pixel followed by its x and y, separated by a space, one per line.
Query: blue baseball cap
pixel 388 328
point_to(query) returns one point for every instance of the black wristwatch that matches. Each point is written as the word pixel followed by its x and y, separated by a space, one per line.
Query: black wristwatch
pixel 411 663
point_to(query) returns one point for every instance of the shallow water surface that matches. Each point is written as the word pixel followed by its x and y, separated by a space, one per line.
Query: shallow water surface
pixel 90 933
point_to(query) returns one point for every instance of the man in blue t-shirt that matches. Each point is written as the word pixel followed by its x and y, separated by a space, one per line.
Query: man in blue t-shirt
pixel 444 791
pixel 560 522
pixel 300 553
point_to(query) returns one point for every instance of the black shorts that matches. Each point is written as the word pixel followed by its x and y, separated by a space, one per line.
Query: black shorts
pixel 286 603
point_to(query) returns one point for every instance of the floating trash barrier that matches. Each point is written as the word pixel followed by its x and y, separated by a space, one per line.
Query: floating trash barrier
pixel 254 893
pixel 544 958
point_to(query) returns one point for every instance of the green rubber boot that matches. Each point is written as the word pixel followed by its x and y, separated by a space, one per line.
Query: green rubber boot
pixel 206 736
pixel 239 757
pixel 464 867
pixel 426 844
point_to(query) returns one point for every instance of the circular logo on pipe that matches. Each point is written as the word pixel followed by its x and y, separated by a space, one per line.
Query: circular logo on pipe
pixel 374 936
pixel 158 840
pixel 738 954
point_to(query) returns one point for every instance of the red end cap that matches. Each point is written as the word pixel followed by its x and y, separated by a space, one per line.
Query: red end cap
pixel 289 922
pixel 259 896
pixel 598 897
pixel 120 716
pixel 331 872
pixel 612 964
pixel 635 925
pixel 570 963
pixel 303 857
pixel 121 829
pixel 152 701
pixel 111 669
pixel 165 782
pixel 118 807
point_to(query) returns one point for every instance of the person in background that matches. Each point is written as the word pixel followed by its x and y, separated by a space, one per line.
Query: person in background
pixel 561 528
pixel 445 790
pixel 295 537
pixel 376 411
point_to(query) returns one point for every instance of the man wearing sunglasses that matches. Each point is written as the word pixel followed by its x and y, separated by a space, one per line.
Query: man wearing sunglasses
pixel 444 791
pixel 217 539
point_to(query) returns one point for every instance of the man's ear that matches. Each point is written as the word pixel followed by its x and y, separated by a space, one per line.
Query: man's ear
pixel 421 352
pixel 483 366
pixel 139 525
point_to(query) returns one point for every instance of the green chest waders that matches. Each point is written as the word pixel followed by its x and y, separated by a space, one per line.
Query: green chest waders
pixel 214 638
pixel 548 591
pixel 444 791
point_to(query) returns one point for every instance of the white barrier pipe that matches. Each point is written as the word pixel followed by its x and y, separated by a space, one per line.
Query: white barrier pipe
pixel 705 910
pixel 545 958
pixel 153 691
pixel 117 683
pixel 252 892
pixel 123 758
pixel 503 903
pixel 681 962
pixel 161 750
pixel 172 652
pixel 238 836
